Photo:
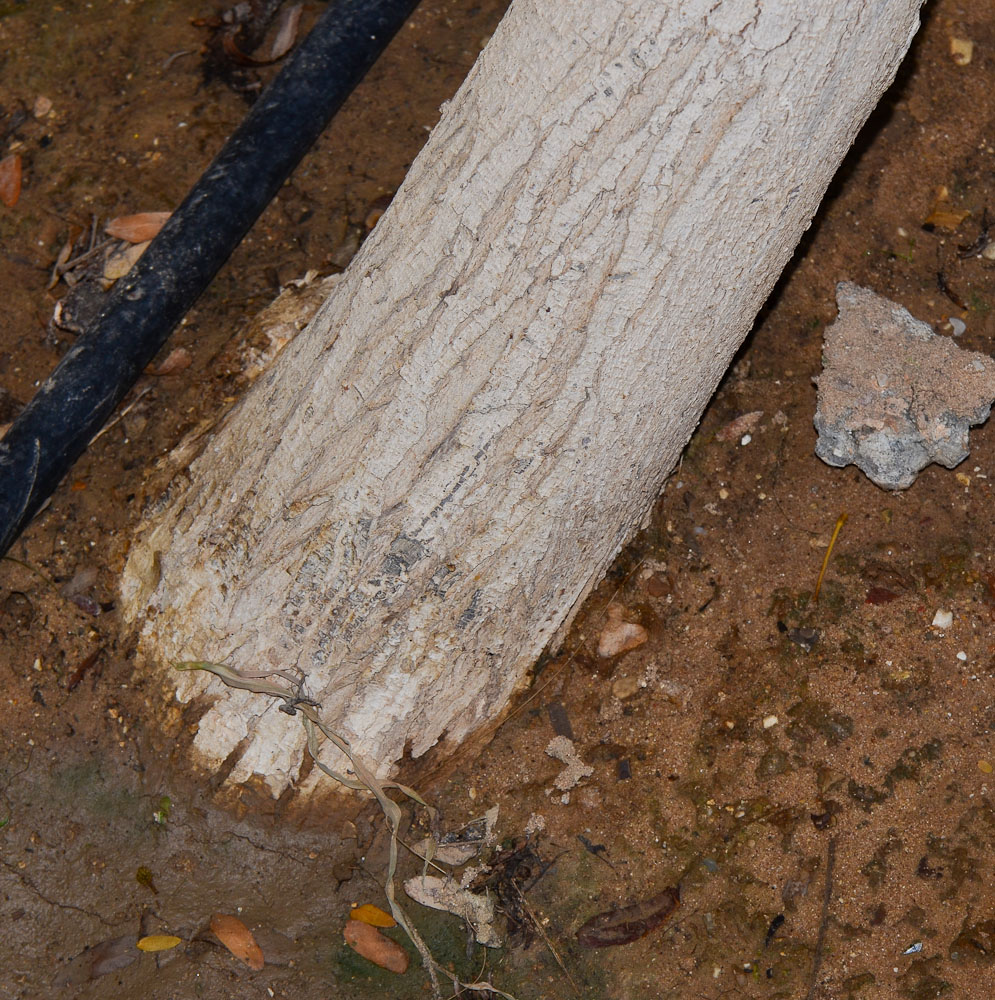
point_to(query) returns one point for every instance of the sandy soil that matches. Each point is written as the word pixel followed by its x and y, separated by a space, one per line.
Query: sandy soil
pixel 816 775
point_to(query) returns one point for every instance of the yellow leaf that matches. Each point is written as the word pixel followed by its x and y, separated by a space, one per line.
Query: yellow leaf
pixel 372 915
pixel 158 942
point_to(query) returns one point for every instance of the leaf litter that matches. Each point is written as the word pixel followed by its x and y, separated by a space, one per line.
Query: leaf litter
pixel 367 941
pixel 158 942
pixel 238 939
pixel 628 924
pixel 372 915
pixel 365 780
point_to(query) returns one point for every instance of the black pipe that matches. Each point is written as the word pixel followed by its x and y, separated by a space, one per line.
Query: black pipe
pixel 86 386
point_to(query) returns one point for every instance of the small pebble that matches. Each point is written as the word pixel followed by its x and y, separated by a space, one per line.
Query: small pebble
pixel 962 50
pixel 770 721
pixel 625 687
pixel 745 439
pixel 957 325
pixel 619 636
pixel 962 656
pixel 984 767
pixel 943 619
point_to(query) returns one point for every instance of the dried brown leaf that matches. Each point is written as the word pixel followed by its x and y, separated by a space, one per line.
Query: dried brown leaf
pixel 614 927
pixel 238 939
pixel 367 941
pixel 743 424
pixel 138 228
pixel 10 179
pixel 108 956
pixel 946 218
pixel 176 361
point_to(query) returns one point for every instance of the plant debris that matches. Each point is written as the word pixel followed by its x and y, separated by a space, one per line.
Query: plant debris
pixel 138 228
pixel 628 924
pixel 510 875
pixel 158 942
pixel 99 960
pixel 445 894
pixel 10 180
pixel 238 939
pixel 372 915
pixel 367 941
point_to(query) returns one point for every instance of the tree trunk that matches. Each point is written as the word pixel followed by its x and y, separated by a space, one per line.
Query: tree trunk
pixel 412 503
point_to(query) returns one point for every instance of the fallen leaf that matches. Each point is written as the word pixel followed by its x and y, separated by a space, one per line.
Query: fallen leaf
pixel 144 877
pixel 367 941
pixel 238 939
pixel 120 262
pixel 880 595
pixel 10 179
pixel 946 218
pixel 108 956
pixel 176 361
pixel 158 942
pixel 743 424
pixel 614 927
pixel 372 915
pixel 138 228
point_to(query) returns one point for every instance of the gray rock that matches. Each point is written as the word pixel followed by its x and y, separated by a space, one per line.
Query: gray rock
pixel 893 395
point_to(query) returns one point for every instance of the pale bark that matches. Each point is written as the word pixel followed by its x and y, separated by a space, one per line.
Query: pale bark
pixel 413 502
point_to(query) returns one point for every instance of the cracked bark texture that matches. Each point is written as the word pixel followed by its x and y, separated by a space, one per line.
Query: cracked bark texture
pixel 412 503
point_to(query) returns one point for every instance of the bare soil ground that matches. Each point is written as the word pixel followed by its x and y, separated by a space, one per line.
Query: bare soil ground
pixel 816 775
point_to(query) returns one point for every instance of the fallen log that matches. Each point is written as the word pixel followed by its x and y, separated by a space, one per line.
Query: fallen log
pixel 414 501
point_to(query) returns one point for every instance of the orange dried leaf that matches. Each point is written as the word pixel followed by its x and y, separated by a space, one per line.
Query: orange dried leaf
pixel 10 179
pixel 946 218
pixel 372 915
pixel 158 942
pixel 136 228
pixel 177 360
pixel 373 946
pixel 238 939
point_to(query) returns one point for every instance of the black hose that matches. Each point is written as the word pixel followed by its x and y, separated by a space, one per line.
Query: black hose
pixel 86 386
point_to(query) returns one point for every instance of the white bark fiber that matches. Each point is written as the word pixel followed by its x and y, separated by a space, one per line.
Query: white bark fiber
pixel 415 499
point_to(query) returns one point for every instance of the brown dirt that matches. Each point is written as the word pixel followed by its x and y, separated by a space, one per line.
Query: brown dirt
pixel 812 851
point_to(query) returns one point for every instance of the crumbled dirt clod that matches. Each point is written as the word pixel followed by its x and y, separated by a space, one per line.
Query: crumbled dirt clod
pixel 893 395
